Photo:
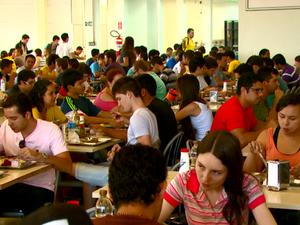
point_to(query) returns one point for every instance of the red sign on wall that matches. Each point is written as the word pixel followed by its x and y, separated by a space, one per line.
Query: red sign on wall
pixel 119 25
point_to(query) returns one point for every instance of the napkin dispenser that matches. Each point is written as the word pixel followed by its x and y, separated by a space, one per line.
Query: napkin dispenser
pixel 278 175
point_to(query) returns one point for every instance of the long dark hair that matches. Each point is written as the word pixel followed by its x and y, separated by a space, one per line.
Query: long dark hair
pixel 226 147
pixel 37 93
pixel 188 86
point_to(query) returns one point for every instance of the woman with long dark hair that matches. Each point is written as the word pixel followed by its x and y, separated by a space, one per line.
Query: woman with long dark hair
pixel 43 96
pixel 127 56
pixel 194 115
pixel 217 191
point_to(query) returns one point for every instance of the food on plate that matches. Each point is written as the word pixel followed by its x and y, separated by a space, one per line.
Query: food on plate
pixel 13 162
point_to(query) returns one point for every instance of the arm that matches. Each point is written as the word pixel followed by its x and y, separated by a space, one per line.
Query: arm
pixel 244 136
pixel 263 215
pixel 125 61
pixel 115 133
pixel 191 109
pixel 165 212
pixel 145 140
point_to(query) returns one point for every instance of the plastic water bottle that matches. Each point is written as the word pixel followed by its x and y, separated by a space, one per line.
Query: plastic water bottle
pixel 184 160
pixel 194 155
pixel 103 205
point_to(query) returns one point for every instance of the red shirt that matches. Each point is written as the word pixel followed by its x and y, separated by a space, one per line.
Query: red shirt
pixel 231 115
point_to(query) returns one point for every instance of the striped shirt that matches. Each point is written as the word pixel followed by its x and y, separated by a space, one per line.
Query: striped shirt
pixel 185 188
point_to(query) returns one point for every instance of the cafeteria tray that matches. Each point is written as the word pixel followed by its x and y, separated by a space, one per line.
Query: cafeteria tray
pixel 92 142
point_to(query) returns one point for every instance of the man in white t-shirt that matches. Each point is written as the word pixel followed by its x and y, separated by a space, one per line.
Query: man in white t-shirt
pixel 33 140
pixel 64 48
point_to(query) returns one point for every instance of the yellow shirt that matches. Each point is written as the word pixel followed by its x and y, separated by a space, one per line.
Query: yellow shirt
pixel 47 74
pixel 53 114
pixel 189 44
pixel 233 65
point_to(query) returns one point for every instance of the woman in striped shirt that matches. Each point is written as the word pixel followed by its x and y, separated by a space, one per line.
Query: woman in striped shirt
pixel 217 191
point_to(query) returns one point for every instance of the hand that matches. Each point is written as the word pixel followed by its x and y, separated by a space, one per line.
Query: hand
pixel 112 152
pixel 256 148
pixel 29 154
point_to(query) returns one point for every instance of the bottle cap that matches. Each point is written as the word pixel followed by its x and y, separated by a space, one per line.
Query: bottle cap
pixel 184 150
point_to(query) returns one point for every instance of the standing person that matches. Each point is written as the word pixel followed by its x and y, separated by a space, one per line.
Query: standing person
pixel 64 48
pixel 217 191
pixel 33 140
pixel 194 115
pixel 43 97
pixel 137 197
pixel 51 47
pixel 23 45
pixel 127 56
pixel 187 42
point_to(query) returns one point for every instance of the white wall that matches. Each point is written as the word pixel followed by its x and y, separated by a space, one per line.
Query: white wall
pixel 277 30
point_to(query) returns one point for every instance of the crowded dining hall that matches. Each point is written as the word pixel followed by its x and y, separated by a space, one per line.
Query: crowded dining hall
pixel 125 119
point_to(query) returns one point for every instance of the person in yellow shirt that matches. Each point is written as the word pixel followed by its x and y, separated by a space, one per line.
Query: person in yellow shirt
pixel 232 62
pixel 48 72
pixel 188 43
pixel 43 96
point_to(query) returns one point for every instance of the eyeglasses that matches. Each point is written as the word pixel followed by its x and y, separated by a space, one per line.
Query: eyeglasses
pixel 257 90
pixel 22 144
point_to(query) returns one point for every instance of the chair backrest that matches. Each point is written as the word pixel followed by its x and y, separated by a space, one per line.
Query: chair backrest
pixel 172 149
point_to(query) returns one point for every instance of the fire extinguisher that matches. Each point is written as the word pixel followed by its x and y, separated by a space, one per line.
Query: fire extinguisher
pixel 119 40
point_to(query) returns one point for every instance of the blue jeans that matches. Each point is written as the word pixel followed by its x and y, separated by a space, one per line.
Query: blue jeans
pixel 96 175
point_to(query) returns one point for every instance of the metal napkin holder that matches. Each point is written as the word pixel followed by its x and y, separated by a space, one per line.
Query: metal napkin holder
pixel 278 175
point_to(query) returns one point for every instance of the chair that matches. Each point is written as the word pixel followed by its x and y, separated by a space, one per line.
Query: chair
pixel 171 151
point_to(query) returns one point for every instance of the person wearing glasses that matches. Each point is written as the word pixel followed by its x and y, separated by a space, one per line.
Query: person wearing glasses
pixel 25 82
pixel 237 116
pixel 32 140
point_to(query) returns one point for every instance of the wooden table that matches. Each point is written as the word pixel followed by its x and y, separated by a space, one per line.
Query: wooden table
pixel 284 199
pixel 13 176
pixel 171 175
pixel 92 149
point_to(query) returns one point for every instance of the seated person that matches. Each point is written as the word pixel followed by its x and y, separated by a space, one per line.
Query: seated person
pixel 48 71
pixel 25 82
pixel 43 96
pixel 281 142
pixel 105 100
pixel 28 64
pixel 217 191
pixel 167 125
pixel 34 140
pixel 98 67
pixel 7 73
pixel 194 115
pixel 136 196
pixel 236 115
pixel 72 81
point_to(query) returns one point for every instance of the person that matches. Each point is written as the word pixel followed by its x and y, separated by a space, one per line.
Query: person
pixel 104 99
pixel 256 62
pixel 78 54
pixel 48 71
pixel 72 81
pixel 98 67
pixel 137 198
pixel 167 125
pixel 23 45
pixel 40 60
pixel 237 116
pixel 29 63
pixel 7 72
pixel 51 47
pixel 232 62
pixel 110 61
pixel 187 42
pixel 64 48
pixel 94 53
pixel 288 73
pixel 217 191
pixel 142 67
pixel 20 135
pixel 60 213
pixel 282 141
pixel 25 82
pixel 127 56
pixel 194 115
pixel 264 53
pixel 297 62
pixel 43 96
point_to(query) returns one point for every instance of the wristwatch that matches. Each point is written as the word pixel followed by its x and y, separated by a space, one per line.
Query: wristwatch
pixel 45 156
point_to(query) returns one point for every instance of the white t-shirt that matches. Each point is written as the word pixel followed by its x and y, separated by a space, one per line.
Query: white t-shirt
pixel 202 82
pixel 202 122
pixel 143 122
pixel 64 49
pixel 177 68
pixel 46 137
